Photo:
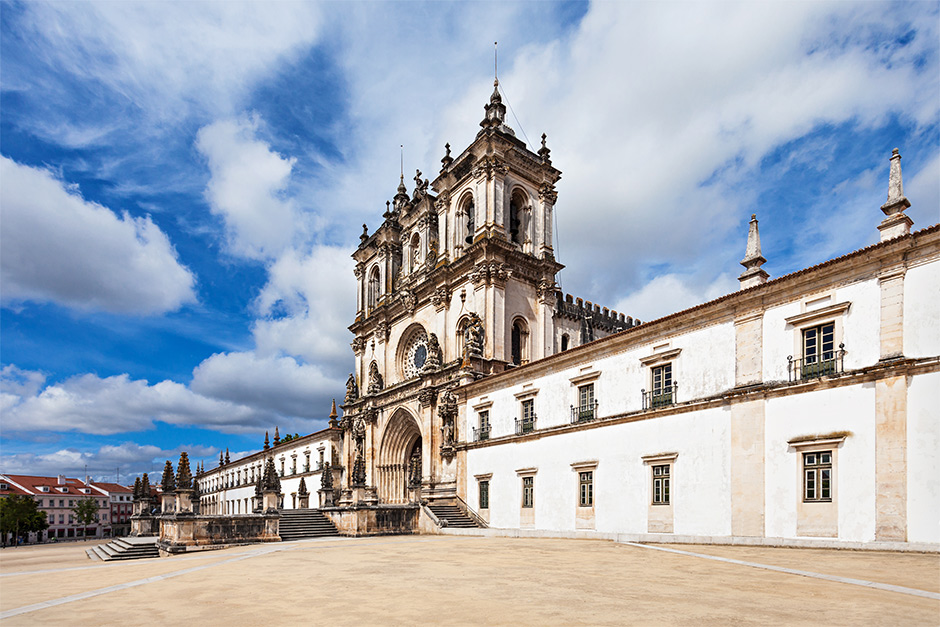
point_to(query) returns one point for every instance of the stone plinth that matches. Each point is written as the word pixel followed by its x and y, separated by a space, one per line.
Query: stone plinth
pixel 303 501
pixel 371 520
pixel 179 534
pixel 184 501
pixel 327 498
pixel 269 501
pixel 144 525
pixel 168 502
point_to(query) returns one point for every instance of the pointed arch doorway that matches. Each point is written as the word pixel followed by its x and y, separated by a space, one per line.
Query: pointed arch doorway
pixel 399 460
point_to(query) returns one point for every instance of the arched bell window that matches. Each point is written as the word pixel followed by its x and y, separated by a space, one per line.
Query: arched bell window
pixel 373 289
pixel 519 341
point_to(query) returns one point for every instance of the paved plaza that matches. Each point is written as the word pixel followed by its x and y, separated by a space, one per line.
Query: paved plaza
pixel 408 580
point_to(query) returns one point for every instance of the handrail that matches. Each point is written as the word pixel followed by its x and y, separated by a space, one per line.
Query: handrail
pixel 472 514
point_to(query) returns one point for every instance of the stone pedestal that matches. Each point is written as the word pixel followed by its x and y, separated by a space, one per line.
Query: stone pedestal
pixel 269 501
pixel 327 498
pixel 304 501
pixel 168 502
pixel 184 501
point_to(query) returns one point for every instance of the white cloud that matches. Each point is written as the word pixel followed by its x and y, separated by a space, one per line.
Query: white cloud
pixel 130 457
pixel 167 59
pixel 58 247
pixel 306 305
pixel 105 406
pixel 247 188
pixel 278 384
pixel 670 293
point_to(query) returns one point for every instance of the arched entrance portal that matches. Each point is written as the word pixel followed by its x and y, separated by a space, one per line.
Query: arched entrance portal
pixel 399 461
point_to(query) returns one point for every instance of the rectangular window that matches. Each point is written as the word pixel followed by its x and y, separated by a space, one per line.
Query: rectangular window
pixel 586 489
pixel 484 495
pixel 662 386
pixel 586 402
pixel 819 356
pixel 484 433
pixel 528 491
pixel 817 476
pixel 528 415
pixel 661 484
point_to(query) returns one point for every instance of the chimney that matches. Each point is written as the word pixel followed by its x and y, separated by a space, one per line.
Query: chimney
pixel 896 223
pixel 753 273
pixel 61 480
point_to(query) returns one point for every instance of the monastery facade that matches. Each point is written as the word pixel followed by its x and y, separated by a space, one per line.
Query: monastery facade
pixel 796 410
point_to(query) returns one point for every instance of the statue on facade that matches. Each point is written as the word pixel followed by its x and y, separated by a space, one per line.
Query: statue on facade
pixel 326 477
pixel 433 361
pixel 421 186
pixel 447 411
pixel 375 379
pixel 471 223
pixel 473 337
pixel 414 470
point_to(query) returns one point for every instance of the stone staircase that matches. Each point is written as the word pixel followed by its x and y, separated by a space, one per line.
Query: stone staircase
pixel 125 549
pixel 305 523
pixel 451 515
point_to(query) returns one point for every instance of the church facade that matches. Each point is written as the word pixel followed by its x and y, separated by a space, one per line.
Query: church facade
pixel 799 410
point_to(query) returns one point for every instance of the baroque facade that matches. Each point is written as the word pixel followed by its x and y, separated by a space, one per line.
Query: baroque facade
pixel 796 410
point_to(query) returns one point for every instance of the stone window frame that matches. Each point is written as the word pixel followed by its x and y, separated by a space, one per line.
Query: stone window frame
pixel 662 355
pixel 483 406
pixel 810 318
pixel 519 321
pixel 586 376
pixel 483 479
pixel 828 443
pixel 659 460
pixel 523 474
pixel 589 466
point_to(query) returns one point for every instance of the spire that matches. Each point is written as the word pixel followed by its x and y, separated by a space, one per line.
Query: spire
pixel 221 458
pixel 226 456
pixel 896 223
pixel 753 273
pixel 333 422
pixel 266 444
pixel 277 436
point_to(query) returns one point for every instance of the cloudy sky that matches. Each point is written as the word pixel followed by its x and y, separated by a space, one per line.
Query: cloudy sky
pixel 182 184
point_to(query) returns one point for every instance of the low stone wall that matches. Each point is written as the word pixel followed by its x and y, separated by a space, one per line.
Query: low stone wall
pixel 180 532
pixel 144 525
pixel 371 520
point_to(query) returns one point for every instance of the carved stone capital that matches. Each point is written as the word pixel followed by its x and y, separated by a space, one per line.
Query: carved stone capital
pixel 487 167
pixel 381 331
pixel 441 297
pixel 547 194
pixel 358 345
pixel 427 397
pixel 359 270
pixel 408 300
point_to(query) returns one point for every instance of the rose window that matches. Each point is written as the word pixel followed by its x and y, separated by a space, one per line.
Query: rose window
pixel 415 354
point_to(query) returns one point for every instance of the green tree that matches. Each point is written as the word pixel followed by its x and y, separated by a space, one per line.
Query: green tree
pixel 85 511
pixel 20 514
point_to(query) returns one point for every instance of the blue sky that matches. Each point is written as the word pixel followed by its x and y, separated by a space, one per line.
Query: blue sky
pixel 182 183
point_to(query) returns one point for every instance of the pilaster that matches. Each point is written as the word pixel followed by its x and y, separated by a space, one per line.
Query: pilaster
pixel 891 459
pixel 892 313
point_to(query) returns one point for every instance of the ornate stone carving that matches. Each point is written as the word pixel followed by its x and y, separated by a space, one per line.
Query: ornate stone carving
pixel 371 415
pixel 447 411
pixel 408 300
pixel 376 384
pixel 427 397
pixel 169 479
pixel 547 194
pixel 473 337
pixel 302 488
pixel 488 167
pixel 421 186
pixel 352 389
pixel 441 297
pixel 359 270
pixel 326 477
pixel 414 470
pixel 546 290
pixel 490 273
pixel 381 331
pixel 184 477
pixel 358 345
pixel 433 361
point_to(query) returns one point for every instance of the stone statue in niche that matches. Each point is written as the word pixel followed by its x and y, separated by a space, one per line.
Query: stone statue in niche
pixel 471 222
pixel 447 411
pixel 473 337
pixel 352 389
pixel 375 379
pixel 434 359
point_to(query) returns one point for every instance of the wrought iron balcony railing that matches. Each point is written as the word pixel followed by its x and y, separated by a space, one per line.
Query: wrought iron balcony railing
pixel 481 434
pixel 816 366
pixel 584 413
pixel 660 397
pixel 525 425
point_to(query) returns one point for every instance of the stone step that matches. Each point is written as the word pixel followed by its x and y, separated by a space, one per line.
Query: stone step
pixel 123 550
pixel 453 515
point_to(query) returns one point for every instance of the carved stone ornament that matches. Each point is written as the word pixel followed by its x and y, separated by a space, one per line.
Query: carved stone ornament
pixel 358 345
pixel 489 273
pixel 441 297
pixel 408 300
pixel 488 167
pixel 546 290
pixel 359 270
pixel 473 337
pixel 376 384
pixel 447 408
pixel 547 194
pixel 427 397
pixel 435 355
pixel 381 331
pixel 421 186
pixel 352 389
pixel 371 415
pixel 326 477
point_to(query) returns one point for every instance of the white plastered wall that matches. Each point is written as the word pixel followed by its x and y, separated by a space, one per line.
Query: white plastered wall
pixel 921 307
pixel 818 413
pixel 923 463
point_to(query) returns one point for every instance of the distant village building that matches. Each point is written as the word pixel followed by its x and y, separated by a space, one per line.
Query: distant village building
pixel 799 409
pixel 56 496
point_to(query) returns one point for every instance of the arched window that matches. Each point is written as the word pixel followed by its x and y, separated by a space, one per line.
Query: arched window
pixel 468 212
pixel 373 289
pixel 564 342
pixel 415 252
pixel 519 342
pixel 461 330
pixel 516 205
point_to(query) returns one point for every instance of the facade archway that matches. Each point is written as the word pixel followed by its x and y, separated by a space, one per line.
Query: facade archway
pixel 399 454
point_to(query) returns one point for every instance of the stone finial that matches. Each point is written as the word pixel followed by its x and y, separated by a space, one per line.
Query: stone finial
pixel 221 458
pixel 447 160
pixel 267 445
pixel 169 478
pixel 495 117
pixel 302 488
pixel 277 436
pixel 227 460
pixel 896 222
pixel 753 273
pixel 136 496
pixel 333 415
pixel 145 486
pixel 184 476
pixel 365 235
pixel 544 152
